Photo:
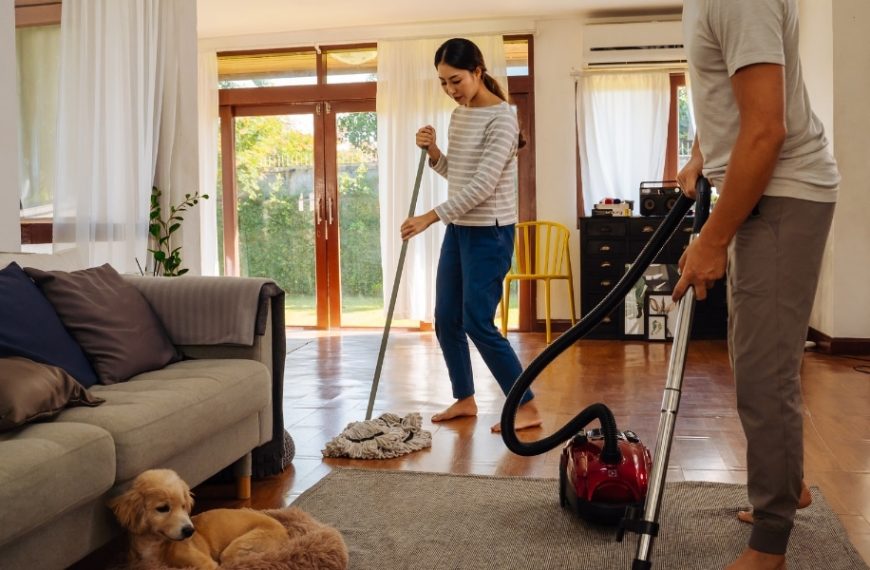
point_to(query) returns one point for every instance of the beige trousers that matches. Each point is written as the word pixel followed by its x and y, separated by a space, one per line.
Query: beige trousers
pixel 773 269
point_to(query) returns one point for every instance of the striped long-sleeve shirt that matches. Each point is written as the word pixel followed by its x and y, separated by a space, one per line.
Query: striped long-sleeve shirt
pixel 481 168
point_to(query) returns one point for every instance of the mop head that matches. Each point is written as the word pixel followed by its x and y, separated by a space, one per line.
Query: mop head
pixel 382 438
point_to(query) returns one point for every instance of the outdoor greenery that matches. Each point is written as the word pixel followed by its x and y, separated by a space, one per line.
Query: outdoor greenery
pixel 275 177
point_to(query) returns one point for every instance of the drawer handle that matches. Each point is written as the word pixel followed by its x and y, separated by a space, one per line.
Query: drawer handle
pixel 687 229
pixel 606 265
pixel 604 248
pixel 606 320
pixel 606 283
pixel 648 229
pixel 605 229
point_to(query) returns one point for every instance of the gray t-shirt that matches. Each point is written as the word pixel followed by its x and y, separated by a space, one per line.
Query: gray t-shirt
pixel 721 37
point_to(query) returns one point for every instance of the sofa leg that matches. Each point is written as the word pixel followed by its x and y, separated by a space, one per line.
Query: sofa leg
pixel 242 471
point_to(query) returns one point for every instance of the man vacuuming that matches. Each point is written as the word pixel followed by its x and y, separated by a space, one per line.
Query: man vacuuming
pixel 762 147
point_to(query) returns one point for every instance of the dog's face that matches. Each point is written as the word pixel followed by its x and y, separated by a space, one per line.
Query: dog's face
pixel 158 503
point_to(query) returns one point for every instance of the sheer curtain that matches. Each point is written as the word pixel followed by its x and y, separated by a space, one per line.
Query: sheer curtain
pixel 410 96
pixel 209 124
pixel 124 103
pixel 623 133
pixel 38 52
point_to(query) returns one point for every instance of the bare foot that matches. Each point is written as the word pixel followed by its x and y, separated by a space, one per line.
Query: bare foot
pixel 466 407
pixel 803 502
pixel 755 560
pixel 527 417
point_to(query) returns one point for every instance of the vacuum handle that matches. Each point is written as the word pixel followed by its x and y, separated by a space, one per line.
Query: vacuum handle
pixel 702 203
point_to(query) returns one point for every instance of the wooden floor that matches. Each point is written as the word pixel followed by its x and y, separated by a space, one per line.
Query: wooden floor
pixel 328 378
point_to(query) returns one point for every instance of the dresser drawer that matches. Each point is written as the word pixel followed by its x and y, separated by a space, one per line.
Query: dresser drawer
pixel 605 227
pixel 608 247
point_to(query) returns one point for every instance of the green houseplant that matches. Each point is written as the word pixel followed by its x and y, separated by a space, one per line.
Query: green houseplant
pixel 167 259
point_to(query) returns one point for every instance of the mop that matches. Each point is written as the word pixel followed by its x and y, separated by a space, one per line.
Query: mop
pixel 389 435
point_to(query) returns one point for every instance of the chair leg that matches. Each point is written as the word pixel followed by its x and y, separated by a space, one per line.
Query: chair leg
pixel 242 470
pixel 571 296
pixel 547 305
pixel 505 303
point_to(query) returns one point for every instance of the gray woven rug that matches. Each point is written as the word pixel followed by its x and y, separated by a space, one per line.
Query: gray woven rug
pixel 398 519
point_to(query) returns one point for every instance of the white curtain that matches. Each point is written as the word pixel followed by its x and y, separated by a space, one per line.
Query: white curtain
pixel 38 52
pixel 409 97
pixel 209 124
pixel 126 121
pixel 623 132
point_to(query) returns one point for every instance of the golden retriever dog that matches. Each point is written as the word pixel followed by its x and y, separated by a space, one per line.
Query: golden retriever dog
pixel 156 512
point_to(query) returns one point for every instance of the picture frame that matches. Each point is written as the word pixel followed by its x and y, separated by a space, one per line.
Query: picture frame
pixel 660 304
pixel 657 327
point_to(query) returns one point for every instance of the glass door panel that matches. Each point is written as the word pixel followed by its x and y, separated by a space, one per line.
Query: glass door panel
pixel 362 299
pixel 277 207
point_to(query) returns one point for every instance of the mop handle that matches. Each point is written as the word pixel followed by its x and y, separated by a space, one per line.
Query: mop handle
pixel 395 293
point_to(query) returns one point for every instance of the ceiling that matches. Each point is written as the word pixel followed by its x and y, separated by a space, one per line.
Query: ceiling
pixel 234 18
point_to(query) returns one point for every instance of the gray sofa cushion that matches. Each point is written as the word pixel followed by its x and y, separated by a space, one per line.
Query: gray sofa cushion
pixel 152 419
pixel 56 468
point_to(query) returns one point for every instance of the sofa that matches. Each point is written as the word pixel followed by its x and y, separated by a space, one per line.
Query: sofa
pixel 206 414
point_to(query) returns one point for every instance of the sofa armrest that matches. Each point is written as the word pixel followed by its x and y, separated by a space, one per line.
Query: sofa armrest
pixel 228 317
pixel 208 310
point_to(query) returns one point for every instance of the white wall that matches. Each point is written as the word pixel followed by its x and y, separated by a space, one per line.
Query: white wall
pixel 817 53
pixel 10 229
pixel 558 50
pixel 851 232
pixel 836 61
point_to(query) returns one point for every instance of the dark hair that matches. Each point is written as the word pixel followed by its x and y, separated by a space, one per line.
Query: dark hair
pixel 464 54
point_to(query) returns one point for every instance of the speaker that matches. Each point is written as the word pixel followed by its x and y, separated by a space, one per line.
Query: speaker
pixel 657 198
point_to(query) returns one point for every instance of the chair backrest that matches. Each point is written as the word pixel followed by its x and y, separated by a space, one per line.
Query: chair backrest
pixel 541 248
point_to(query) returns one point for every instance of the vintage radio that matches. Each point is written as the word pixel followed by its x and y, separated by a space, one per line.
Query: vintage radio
pixel 658 197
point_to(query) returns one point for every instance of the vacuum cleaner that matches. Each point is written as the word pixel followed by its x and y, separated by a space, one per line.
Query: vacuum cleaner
pixel 608 476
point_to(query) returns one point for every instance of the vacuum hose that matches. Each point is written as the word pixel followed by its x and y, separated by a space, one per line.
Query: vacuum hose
pixel 582 328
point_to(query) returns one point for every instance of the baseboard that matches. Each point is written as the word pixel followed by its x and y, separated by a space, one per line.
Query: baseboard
pixel 828 345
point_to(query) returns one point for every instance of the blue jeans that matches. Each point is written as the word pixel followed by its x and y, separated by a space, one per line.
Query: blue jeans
pixel 474 261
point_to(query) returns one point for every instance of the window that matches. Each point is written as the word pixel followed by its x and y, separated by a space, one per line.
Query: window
pixel 270 69
pixel 353 65
pixel 516 52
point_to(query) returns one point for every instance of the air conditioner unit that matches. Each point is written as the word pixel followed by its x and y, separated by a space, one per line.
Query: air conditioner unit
pixel 634 44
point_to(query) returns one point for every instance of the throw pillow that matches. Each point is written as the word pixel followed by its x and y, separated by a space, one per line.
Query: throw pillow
pixel 31 392
pixel 30 327
pixel 110 319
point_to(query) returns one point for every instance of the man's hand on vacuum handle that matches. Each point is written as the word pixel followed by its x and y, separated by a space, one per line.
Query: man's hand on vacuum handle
pixel 688 176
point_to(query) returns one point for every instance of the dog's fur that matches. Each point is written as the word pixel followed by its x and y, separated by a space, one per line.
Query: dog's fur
pixel 156 512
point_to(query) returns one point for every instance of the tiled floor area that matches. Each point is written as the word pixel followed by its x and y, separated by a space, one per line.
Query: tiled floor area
pixel 328 378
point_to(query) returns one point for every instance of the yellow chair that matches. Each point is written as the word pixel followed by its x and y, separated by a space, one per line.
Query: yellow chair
pixel 540 254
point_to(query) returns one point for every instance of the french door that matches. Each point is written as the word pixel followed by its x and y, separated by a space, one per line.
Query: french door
pixel 306 210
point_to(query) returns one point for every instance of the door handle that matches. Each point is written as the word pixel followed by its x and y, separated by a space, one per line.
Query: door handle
pixel 319 212
pixel 329 204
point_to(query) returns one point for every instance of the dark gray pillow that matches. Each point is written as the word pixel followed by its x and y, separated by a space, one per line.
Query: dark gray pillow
pixel 110 319
pixel 32 392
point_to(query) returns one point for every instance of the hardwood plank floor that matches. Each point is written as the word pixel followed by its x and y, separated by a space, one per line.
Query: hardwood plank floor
pixel 328 378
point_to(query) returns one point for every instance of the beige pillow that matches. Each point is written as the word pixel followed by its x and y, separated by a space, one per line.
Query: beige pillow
pixel 32 392
pixel 110 319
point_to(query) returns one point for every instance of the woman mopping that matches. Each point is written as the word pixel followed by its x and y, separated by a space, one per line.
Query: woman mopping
pixel 480 213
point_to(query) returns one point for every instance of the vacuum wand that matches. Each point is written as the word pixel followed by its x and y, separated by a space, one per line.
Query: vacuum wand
pixel 648 526
pixel 395 293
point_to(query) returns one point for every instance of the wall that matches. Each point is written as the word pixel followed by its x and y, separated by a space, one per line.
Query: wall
pixel 836 62
pixel 817 53
pixel 558 50
pixel 10 232
pixel 851 233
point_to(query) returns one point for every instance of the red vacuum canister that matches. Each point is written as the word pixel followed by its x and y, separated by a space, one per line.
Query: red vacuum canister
pixel 599 491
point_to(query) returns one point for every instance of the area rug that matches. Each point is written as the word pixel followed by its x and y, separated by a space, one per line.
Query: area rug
pixel 397 519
